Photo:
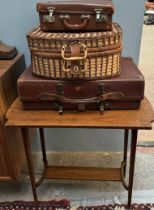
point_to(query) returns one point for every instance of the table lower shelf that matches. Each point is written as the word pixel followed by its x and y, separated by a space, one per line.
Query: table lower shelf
pixel 82 173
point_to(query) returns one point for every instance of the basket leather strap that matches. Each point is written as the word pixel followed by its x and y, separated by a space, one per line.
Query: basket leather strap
pixel 75 65
pixel 97 99
pixel 75 50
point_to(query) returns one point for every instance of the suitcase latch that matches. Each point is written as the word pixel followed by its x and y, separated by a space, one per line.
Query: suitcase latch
pixel 100 17
pixel 49 18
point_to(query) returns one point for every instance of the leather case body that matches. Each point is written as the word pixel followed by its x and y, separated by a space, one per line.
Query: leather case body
pixel 86 15
pixel 122 92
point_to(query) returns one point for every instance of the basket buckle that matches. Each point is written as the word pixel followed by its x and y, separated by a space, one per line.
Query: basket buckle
pixel 75 61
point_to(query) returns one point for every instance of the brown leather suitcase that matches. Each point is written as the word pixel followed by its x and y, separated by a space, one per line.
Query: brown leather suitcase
pixel 83 15
pixel 122 92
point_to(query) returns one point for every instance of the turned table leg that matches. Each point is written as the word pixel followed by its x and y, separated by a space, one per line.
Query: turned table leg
pixel 132 164
pixel 27 147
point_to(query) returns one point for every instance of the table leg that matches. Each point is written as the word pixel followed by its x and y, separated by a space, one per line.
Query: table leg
pixel 27 147
pixel 125 150
pixel 42 139
pixel 134 133
pixel 43 148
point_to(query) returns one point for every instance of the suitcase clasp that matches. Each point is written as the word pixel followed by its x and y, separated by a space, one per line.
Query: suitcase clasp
pixel 49 18
pixel 100 17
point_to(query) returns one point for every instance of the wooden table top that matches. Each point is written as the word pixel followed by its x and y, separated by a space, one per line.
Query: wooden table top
pixel 122 119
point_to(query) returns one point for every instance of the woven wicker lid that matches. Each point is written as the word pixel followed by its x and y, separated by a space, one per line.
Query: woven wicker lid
pixel 37 33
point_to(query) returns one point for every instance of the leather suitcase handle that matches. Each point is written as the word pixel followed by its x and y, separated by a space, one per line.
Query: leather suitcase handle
pixel 65 19
pixel 97 99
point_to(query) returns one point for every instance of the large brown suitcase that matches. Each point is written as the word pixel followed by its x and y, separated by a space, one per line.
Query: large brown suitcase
pixel 122 92
pixel 82 15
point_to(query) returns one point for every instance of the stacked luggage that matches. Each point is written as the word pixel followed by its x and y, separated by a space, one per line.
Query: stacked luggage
pixel 76 60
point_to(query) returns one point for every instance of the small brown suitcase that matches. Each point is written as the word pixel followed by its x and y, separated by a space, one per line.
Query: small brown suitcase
pixel 82 15
pixel 122 92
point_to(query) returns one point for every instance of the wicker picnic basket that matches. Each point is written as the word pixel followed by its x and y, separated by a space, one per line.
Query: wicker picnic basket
pixel 83 55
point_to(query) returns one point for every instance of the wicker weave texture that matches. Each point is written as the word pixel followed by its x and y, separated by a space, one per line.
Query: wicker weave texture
pixel 103 60
pixel 107 66
pixel 45 40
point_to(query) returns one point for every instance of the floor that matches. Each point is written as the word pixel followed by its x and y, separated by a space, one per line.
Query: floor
pixel 86 192
pixel 146 65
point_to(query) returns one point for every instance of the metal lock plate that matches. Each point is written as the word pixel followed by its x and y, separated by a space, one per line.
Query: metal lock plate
pixel 81 107
pixel 104 106
pixel 100 17
pixel 107 105
pixel 49 18
pixel 76 70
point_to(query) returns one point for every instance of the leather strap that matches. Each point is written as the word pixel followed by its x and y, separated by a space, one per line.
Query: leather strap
pixel 75 50
pixel 97 99
pixel 75 65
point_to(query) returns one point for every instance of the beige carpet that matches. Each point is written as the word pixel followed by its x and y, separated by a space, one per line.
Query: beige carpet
pixel 146 64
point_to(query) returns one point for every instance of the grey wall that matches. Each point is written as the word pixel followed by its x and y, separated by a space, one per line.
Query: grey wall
pixel 129 14
pixel 18 17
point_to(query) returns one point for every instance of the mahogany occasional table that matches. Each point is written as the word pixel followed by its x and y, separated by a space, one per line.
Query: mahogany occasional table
pixel 133 120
